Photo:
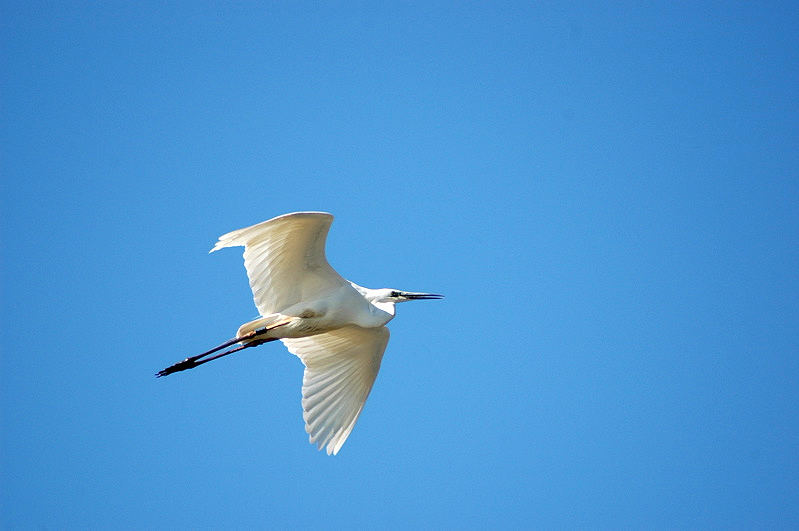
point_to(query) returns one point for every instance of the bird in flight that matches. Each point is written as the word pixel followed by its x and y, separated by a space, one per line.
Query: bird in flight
pixel 336 327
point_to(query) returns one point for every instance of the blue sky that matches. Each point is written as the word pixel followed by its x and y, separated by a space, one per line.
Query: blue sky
pixel 606 194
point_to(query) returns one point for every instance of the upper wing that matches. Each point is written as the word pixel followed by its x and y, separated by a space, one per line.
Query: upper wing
pixel 285 259
pixel 340 369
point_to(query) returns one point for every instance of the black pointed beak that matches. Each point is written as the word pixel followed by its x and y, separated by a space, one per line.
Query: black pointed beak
pixel 420 296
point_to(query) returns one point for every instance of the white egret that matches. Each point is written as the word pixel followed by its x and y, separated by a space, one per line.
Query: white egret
pixel 336 327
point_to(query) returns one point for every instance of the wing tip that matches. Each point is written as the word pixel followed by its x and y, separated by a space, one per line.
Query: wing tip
pixel 238 237
pixel 331 448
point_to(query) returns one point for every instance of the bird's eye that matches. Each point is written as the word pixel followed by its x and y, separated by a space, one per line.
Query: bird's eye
pixel 395 294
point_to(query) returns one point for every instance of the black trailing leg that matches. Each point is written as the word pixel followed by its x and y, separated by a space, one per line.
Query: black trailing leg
pixel 194 361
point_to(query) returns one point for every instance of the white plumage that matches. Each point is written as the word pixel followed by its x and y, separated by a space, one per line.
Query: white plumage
pixel 285 259
pixel 340 368
pixel 334 326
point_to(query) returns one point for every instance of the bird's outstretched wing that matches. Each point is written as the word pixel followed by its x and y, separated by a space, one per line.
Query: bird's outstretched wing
pixel 340 369
pixel 285 259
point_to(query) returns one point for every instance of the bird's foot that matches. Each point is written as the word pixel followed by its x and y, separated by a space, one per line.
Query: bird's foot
pixel 188 363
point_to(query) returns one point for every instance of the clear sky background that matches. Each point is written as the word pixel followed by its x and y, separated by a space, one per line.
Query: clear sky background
pixel 606 194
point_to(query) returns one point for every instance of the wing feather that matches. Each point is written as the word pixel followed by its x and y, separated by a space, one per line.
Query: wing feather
pixel 285 259
pixel 340 369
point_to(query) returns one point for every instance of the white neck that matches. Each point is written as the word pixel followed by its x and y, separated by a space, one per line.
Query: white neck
pixel 382 312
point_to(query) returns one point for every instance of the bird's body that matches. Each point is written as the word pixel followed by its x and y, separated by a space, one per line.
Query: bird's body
pixel 342 306
pixel 334 326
